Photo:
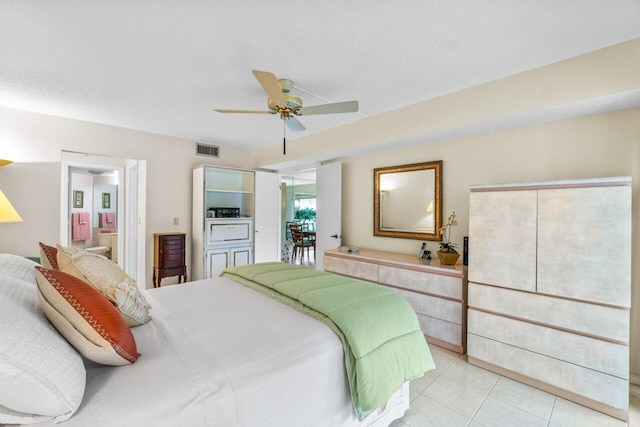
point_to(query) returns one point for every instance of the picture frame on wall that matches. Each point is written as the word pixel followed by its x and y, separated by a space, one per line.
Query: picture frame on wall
pixel 78 198
pixel 106 200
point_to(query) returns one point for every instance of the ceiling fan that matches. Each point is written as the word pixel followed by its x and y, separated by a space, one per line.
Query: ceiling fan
pixel 289 106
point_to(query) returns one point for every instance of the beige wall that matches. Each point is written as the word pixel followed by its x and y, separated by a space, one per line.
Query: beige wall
pixel 35 142
pixel 595 146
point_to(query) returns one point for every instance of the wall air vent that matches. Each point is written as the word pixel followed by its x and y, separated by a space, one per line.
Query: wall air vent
pixel 207 150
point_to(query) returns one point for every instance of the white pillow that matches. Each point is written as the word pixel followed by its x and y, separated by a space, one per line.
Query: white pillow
pixel 42 376
pixel 18 267
pixel 109 279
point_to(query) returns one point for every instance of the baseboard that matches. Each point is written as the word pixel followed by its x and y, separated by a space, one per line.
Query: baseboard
pixel 634 379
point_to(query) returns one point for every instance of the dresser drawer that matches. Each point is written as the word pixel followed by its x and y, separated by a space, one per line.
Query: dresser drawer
pixel 439 308
pixel 608 389
pixel 436 284
pixel 348 267
pixel 589 319
pixel 591 353
pixel 441 330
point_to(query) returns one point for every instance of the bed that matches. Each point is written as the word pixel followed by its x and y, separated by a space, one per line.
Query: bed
pixel 217 352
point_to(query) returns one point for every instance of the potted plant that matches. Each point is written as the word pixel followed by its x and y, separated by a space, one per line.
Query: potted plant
pixel 307 215
pixel 447 252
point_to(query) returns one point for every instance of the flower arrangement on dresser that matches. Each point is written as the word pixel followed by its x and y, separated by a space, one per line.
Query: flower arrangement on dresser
pixel 447 252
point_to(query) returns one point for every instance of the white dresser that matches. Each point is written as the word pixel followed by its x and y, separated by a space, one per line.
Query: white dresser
pixel 550 287
pixel 437 293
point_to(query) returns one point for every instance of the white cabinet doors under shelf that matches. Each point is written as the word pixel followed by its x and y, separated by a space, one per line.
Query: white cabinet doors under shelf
pixel 217 259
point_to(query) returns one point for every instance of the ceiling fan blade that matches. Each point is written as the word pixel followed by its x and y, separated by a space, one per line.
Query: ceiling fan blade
pixel 294 124
pixel 269 83
pixel 338 107
pixel 242 111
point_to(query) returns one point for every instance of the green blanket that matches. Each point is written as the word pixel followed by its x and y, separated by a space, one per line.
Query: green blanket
pixel 382 340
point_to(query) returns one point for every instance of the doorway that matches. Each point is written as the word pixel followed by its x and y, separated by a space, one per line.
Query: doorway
pixel 299 207
pixel 106 194
pixel 327 179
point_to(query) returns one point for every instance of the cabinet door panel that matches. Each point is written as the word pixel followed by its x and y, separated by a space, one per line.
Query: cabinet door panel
pixel 217 260
pixel 242 256
pixel 584 244
pixel 229 231
pixel 502 247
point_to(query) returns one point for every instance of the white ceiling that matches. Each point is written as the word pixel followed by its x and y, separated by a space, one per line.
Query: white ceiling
pixel 162 66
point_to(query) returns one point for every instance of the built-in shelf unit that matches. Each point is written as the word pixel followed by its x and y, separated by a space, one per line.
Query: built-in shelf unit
pixel 223 219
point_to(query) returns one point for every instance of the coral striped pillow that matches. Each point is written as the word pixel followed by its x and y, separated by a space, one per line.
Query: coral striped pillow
pixel 88 320
pixel 48 256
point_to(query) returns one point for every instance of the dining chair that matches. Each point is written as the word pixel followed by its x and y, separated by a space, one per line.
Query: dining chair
pixel 288 226
pixel 300 243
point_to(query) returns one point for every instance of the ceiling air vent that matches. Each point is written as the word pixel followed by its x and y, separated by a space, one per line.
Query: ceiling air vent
pixel 207 150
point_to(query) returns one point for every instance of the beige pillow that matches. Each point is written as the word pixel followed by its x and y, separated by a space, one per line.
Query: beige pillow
pixel 108 278
pixel 85 318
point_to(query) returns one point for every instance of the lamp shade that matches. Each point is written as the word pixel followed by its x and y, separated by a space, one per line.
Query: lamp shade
pixel 7 212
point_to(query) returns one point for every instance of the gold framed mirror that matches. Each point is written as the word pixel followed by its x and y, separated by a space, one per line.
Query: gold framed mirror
pixel 407 201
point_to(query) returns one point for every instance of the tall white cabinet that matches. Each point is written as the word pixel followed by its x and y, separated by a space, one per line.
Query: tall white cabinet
pixel 224 219
pixel 550 287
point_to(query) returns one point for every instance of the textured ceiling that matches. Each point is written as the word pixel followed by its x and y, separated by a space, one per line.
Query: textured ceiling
pixel 162 66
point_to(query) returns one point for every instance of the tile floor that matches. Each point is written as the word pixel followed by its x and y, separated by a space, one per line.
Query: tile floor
pixel 459 394
pixel 307 260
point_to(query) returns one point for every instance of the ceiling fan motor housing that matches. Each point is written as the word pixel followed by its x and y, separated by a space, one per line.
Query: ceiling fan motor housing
pixel 293 103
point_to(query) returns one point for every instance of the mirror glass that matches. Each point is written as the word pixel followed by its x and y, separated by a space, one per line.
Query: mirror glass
pixel 408 201
pixel 105 206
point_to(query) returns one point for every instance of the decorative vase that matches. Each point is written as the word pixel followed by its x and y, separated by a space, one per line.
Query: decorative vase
pixel 448 258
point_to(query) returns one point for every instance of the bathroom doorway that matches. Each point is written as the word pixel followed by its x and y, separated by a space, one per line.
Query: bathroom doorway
pixel 102 208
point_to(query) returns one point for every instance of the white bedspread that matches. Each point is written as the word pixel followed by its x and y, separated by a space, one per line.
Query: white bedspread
pixel 218 353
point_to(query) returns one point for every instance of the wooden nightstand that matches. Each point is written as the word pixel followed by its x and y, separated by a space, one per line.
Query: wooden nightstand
pixel 169 257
